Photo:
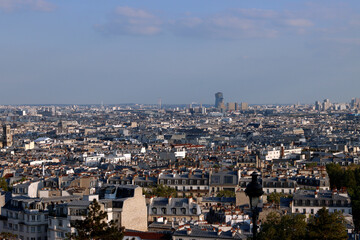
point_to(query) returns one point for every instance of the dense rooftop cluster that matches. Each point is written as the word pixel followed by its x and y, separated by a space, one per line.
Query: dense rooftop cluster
pixel 177 172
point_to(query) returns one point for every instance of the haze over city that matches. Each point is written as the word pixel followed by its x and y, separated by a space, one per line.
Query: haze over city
pixel 89 51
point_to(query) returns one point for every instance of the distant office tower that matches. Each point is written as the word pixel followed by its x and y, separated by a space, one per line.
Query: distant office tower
pixel 355 103
pixel 62 127
pixel 317 106
pixel 244 106
pixel 7 137
pixel 326 104
pixel 219 99
pixel 231 106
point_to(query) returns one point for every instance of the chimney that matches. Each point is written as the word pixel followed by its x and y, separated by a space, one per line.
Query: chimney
pixel 188 231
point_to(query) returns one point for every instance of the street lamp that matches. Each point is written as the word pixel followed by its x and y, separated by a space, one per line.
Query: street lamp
pixel 254 191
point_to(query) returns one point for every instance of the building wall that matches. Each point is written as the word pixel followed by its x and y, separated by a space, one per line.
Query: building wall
pixel 134 212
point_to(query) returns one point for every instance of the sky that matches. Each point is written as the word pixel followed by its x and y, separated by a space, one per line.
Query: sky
pixel 140 51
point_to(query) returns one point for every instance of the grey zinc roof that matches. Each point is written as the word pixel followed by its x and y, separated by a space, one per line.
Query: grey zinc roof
pixel 208 232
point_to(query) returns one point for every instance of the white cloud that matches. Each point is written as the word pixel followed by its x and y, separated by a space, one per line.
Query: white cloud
pixel 132 21
pixel 230 24
pixel 37 5
pixel 298 22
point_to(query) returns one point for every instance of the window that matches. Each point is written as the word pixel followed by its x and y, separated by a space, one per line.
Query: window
pixel 163 210
pixel 38 228
pixel 215 179
pixel 304 211
pixel 228 179
pixel 154 210
pixel 60 234
pixel 183 211
pixel 32 229
pixel 60 223
pixel 173 210
pixel 312 211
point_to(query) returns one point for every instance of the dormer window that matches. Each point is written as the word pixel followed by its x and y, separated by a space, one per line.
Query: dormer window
pixel 154 210
pixel 183 211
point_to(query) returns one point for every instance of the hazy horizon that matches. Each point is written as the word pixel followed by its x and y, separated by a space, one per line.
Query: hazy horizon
pixel 92 51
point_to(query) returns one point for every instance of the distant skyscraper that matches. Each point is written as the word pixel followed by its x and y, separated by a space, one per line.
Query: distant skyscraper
pixel 244 106
pixel 7 137
pixel 219 100
pixel 326 104
pixel 355 102
pixel 231 106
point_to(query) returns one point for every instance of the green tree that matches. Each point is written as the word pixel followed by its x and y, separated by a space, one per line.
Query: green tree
pixel 8 236
pixel 275 197
pixel 95 226
pixel 162 191
pixel 287 227
pixel 3 184
pixel 226 193
pixel 326 226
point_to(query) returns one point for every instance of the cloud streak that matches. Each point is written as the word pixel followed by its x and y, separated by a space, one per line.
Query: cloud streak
pixel 131 21
pixel 35 5
pixel 240 23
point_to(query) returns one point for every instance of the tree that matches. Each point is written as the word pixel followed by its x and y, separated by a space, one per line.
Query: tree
pixel 3 184
pixel 95 226
pixel 226 193
pixel 327 225
pixel 162 191
pixel 8 236
pixel 275 197
pixel 287 227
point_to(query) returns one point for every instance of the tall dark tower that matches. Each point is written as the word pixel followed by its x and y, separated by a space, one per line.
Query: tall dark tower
pixel 219 100
pixel 7 137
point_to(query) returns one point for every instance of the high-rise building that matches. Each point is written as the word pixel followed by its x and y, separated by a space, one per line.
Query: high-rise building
pixel 219 100
pixel 231 106
pixel 326 104
pixel 355 103
pixel 7 137
pixel 244 106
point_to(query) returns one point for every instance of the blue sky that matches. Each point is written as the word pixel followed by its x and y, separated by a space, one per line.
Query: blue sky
pixel 88 51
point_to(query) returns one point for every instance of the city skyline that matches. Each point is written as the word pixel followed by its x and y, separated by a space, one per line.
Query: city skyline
pixel 86 52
